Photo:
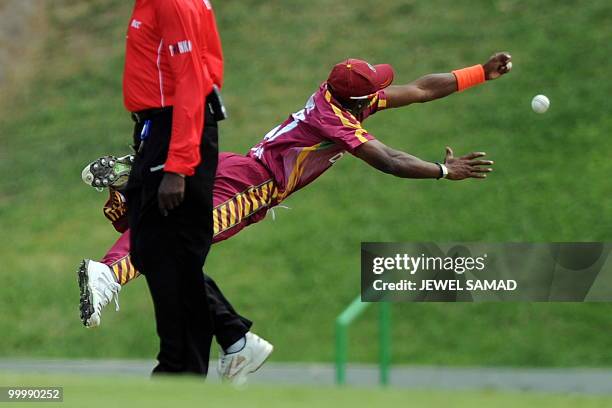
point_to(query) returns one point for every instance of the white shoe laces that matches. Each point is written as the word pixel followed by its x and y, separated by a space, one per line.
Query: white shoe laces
pixel 110 291
pixel 224 364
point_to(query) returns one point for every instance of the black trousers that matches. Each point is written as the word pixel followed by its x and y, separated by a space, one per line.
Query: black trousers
pixel 170 251
pixel 228 324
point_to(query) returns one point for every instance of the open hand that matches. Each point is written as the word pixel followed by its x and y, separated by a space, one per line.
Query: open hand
pixel 468 166
pixel 499 64
pixel 171 192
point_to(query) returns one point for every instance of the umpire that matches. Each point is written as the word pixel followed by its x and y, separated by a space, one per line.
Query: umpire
pixel 173 68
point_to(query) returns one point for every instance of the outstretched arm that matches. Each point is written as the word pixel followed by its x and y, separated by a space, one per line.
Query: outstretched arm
pixel 435 86
pixel 400 164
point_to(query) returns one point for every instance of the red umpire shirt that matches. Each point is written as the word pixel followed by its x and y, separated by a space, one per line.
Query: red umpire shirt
pixel 173 58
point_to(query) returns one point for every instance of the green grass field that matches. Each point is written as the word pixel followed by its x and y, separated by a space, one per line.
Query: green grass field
pixel 96 392
pixel 293 276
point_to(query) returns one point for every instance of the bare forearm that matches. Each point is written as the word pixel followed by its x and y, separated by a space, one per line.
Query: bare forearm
pixel 400 164
pixel 405 165
pixel 424 89
pixel 437 86
pixel 395 162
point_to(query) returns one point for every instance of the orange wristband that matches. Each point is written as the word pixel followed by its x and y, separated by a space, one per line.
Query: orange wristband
pixel 468 77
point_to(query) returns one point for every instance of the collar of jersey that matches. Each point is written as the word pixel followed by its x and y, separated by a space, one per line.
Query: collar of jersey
pixel 332 101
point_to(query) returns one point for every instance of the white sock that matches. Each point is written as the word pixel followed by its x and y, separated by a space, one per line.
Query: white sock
pixel 237 346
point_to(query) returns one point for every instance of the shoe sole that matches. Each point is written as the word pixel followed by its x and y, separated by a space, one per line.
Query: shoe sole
pixel 85 302
pixel 108 171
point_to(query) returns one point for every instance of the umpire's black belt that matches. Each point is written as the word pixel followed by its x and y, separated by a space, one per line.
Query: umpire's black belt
pixel 214 101
pixel 144 115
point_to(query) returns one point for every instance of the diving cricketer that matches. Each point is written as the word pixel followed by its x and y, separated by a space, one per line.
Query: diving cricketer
pixel 293 155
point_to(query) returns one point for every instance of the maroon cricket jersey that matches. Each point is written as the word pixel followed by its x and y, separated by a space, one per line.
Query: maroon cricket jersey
pixel 307 144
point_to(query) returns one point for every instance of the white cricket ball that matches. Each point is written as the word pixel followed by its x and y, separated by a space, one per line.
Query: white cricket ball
pixel 540 103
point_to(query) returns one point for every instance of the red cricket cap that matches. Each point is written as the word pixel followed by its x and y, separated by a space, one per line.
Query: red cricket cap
pixel 356 79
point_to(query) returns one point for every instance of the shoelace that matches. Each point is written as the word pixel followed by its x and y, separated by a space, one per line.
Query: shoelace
pixel 224 365
pixel 110 292
pixel 274 213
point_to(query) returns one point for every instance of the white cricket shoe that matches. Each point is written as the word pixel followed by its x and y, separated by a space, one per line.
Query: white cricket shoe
pixel 98 287
pixel 235 367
